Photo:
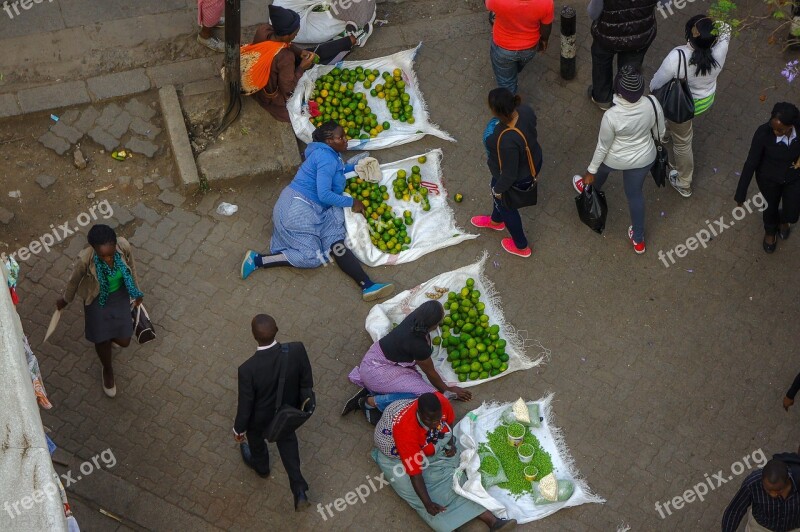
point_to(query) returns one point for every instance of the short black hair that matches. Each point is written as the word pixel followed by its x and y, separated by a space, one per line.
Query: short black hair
pixel 787 113
pixel 325 131
pixel 503 102
pixel 101 234
pixel 429 403
pixel 776 472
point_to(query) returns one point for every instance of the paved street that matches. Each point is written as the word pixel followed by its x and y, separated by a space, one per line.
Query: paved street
pixel 661 375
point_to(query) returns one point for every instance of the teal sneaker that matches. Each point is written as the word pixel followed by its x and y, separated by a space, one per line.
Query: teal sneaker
pixel 377 291
pixel 249 263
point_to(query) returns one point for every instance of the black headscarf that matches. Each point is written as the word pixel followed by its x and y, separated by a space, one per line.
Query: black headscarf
pixel 409 340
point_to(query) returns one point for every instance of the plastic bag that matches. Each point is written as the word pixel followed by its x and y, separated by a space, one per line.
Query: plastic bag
pixel 227 209
pixel 565 490
pixel 592 208
pixel 533 412
pixel 491 469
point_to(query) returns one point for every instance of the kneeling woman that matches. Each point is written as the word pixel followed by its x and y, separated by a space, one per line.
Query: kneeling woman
pixel 416 451
pixel 308 217
pixel 388 371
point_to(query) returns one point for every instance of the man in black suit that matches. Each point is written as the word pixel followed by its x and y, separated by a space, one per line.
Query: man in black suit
pixel 258 386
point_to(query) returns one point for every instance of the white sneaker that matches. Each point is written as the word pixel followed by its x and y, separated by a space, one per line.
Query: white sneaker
pixel 363 35
pixel 577 184
pixel 212 43
pixel 673 180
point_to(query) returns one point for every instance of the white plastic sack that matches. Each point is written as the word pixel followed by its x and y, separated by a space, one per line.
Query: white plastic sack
pixel 431 230
pixel 399 133
pixel 471 431
pixel 315 26
pixel 380 319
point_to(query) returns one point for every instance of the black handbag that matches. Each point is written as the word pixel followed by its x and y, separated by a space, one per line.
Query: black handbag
pixel 675 97
pixel 515 197
pixel 287 418
pixel 142 326
pixel 660 168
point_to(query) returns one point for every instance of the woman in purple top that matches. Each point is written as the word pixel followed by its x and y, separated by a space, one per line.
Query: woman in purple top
pixel 309 216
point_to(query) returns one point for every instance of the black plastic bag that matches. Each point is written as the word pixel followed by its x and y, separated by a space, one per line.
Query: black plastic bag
pixel 592 208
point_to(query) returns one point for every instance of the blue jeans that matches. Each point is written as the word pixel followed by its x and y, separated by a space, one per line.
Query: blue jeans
pixel 633 181
pixel 382 401
pixel 511 217
pixel 508 63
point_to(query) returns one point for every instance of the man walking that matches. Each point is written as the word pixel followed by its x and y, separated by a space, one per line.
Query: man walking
pixel 521 28
pixel 621 28
pixel 258 387
pixel 769 497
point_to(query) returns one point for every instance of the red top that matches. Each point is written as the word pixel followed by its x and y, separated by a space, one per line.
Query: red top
pixel 411 437
pixel 517 22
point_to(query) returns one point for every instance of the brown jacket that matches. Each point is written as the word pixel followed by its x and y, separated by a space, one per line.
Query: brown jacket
pixel 283 77
pixel 83 281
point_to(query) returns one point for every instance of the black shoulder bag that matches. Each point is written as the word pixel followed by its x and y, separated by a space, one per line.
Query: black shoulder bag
pixel 675 97
pixel 660 167
pixel 287 418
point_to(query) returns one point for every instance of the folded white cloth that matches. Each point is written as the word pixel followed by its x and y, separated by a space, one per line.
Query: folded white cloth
pixel 369 169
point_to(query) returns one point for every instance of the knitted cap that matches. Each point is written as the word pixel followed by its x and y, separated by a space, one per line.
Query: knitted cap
pixel 629 83
pixel 284 21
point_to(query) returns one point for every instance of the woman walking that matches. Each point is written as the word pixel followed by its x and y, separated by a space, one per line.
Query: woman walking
pixel 104 276
pixel 625 143
pixel 775 159
pixel 514 159
pixel 308 217
pixel 700 61
pixel 388 371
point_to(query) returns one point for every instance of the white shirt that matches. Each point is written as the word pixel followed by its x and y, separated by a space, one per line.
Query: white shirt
pixel 625 140
pixel 265 347
pixel 787 139
pixel 700 86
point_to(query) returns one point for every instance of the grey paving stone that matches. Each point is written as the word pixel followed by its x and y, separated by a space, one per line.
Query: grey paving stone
pixel 124 180
pixel 8 105
pixel 55 143
pixel 184 71
pixel 69 117
pixel 165 183
pixel 144 129
pixel 45 181
pixel 138 109
pixel 122 214
pixel 53 96
pixel 108 115
pixel 118 84
pixel 6 216
pixel 120 125
pixel 87 119
pixel 145 147
pixel 171 198
pixel 103 138
pixel 143 212
pixel 66 132
pixel 36 273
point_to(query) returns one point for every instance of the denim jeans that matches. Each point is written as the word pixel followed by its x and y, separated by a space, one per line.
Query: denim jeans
pixel 382 401
pixel 633 182
pixel 508 63
pixel 511 217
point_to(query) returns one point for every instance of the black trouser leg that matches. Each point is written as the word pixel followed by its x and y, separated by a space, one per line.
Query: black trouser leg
pixel 602 73
pixel 259 451
pixel 349 264
pixel 790 208
pixel 631 58
pixel 772 195
pixel 328 51
pixel 290 456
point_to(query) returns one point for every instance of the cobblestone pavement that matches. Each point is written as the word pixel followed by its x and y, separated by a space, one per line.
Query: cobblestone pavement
pixel 661 375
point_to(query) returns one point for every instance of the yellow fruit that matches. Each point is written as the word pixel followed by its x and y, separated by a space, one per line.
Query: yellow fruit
pixel 422 159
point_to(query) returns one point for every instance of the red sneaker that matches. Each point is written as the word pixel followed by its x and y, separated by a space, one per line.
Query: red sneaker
pixel 485 222
pixel 577 183
pixel 638 247
pixel 508 245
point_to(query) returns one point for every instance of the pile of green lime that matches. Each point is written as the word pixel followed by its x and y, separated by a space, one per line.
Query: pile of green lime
pixel 338 100
pixel 387 232
pixel 393 90
pixel 409 187
pixel 474 347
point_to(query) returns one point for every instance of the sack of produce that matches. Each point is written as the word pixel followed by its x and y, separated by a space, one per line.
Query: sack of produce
pixel 491 469
pixel 550 490
pixel 522 412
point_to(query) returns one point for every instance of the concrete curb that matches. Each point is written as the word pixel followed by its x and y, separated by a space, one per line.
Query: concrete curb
pixel 178 137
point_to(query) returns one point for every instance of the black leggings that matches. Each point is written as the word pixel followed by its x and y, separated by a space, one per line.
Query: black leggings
pixel 349 264
pixel 328 51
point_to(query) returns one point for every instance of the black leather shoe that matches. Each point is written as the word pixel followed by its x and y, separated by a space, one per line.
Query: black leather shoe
pixel 301 501
pixel 504 524
pixel 770 248
pixel 352 404
pixel 247 457
pixel 784 233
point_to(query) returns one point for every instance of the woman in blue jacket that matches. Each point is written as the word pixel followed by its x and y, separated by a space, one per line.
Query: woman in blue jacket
pixel 309 216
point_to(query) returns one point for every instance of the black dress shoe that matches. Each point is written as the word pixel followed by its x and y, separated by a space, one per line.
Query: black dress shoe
pixel 352 404
pixel 770 248
pixel 504 524
pixel 784 233
pixel 301 501
pixel 247 457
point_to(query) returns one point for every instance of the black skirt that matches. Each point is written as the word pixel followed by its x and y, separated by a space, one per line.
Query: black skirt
pixel 111 321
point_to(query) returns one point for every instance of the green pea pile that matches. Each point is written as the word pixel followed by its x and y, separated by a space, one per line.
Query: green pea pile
pixel 513 467
pixel 490 465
